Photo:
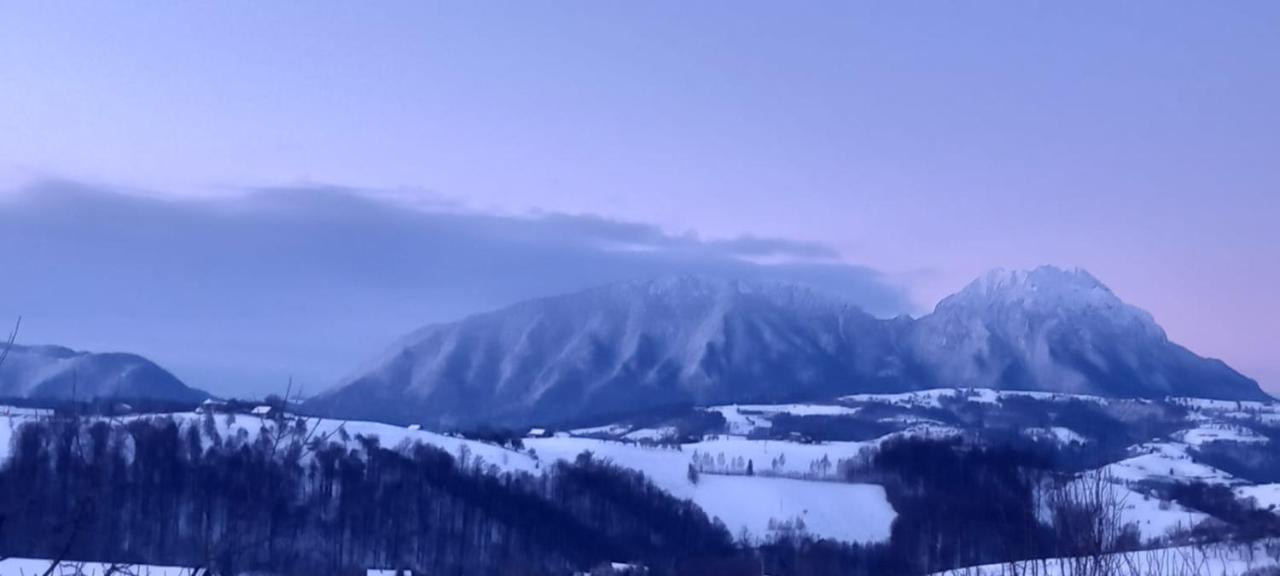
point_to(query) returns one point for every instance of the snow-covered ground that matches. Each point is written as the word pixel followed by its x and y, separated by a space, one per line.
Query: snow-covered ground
pixel 849 512
pixel 36 567
pixel 932 398
pixel 1228 405
pixel 1218 432
pixel 1265 496
pixel 608 430
pixel 1155 518
pixel 10 419
pixel 389 436
pixel 836 510
pixel 743 419
pixel 1165 461
pixel 1060 434
pixel 1209 560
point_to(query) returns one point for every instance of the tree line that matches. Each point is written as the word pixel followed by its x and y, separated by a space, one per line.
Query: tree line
pixel 164 491
pixel 188 492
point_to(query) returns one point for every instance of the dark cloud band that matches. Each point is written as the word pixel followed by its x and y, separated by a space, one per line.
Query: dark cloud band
pixel 237 294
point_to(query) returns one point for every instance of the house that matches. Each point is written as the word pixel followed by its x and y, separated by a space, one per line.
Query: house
pixel 618 569
pixel 539 433
pixel 211 406
pixel 415 427
pixel 267 411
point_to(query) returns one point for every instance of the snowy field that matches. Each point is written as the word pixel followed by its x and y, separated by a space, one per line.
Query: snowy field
pixel 34 567
pixel 1166 461
pixel 1209 560
pixel 1155 518
pixel 1266 496
pixel 849 512
pixel 1218 432
pixel 743 419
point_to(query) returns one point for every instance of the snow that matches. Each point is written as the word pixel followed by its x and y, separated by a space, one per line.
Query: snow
pixel 7 428
pixel 1266 496
pixel 1048 290
pixel 922 399
pixel 1165 461
pixel 1227 405
pixel 849 512
pixel 794 409
pixel 609 430
pixel 1209 560
pixel 1060 434
pixel 10 419
pixel 1218 432
pixel 24 412
pixel 743 419
pixel 389 436
pixel 742 424
pixel 846 512
pixel 651 433
pixel 932 398
pixel 35 567
pixel 1154 517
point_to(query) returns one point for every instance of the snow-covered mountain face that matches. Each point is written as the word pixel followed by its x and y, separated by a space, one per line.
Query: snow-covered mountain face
pixel 57 373
pixel 1058 330
pixel 625 348
pixel 640 346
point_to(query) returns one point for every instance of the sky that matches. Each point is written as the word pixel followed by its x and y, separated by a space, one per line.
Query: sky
pixel 894 150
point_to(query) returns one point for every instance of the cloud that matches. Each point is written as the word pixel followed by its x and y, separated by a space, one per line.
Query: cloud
pixel 235 295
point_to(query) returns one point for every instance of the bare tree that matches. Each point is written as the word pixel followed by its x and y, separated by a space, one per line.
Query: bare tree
pixel 8 344
pixel 4 354
pixel 1088 516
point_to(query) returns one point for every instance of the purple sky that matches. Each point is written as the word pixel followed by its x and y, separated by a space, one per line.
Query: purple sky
pixel 928 142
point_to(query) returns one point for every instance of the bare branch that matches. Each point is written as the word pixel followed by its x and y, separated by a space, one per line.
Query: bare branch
pixel 8 345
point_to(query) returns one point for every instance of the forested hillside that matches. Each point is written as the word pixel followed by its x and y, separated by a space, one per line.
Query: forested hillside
pixel 294 497
pixel 155 491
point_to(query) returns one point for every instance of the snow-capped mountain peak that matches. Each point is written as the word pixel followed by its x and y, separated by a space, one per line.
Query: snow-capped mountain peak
pixel 1025 298
pixel 1026 284
pixel 651 344
pixel 1061 330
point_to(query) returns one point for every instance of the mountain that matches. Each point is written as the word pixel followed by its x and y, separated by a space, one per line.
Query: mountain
pixel 54 372
pixel 1062 330
pixel 623 348
pixel 640 346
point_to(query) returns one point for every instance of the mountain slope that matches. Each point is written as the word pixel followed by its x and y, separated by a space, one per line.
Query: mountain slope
pixel 54 372
pixel 644 345
pixel 623 348
pixel 1062 330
